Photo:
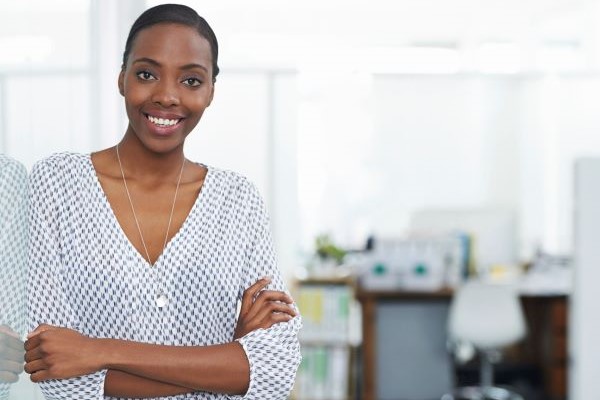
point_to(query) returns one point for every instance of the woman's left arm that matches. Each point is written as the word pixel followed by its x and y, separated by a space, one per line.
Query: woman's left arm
pixel 60 353
pixel 273 353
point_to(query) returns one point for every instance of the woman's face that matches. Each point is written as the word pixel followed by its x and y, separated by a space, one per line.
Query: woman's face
pixel 167 84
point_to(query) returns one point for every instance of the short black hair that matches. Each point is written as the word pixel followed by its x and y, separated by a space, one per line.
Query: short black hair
pixel 174 14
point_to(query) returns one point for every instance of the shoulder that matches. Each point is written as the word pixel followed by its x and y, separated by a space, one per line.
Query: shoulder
pixel 236 193
pixel 13 182
pixel 57 169
pixel 11 170
pixel 60 162
pixel 233 183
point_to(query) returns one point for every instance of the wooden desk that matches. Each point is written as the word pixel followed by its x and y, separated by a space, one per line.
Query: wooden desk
pixel 544 348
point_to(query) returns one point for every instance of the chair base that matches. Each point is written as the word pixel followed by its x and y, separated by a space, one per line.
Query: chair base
pixel 482 393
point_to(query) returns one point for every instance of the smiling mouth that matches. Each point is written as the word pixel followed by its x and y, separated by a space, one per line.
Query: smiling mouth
pixel 163 122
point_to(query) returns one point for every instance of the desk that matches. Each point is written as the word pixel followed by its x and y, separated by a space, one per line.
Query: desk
pixel 545 347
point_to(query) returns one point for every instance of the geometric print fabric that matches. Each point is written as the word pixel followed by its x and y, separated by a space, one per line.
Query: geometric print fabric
pixel 86 275
pixel 13 252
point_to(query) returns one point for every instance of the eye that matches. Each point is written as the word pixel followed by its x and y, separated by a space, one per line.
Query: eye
pixel 193 82
pixel 145 75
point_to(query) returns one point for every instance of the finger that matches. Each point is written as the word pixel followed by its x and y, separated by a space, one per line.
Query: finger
pixel 265 297
pixel 33 354
pixel 274 307
pixel 39 376
pixel 274 295
pixel 250 293
pixel 279 317
pixel 11 366
pixel 8 377
pixel 32 343
pixel 41 328
pixel 262 311
pixel 273 319
pixel 34 366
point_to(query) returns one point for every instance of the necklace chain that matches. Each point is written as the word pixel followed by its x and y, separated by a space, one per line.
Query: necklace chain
pixel 137 223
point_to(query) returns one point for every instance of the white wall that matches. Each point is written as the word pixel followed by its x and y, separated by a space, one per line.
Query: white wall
pixel 47 113
pixel 444 142
pixel 394 144
pixel 372 153
pixel 558 123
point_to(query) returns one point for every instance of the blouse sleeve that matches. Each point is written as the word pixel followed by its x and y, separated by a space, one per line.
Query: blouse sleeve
pixel 13 231
pixel 273 353
pixel 13 180
pixel 47 302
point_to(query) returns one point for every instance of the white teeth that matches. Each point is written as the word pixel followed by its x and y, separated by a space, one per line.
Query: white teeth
pixel 162 121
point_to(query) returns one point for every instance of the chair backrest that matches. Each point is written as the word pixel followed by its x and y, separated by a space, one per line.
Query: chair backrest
pixel 486 315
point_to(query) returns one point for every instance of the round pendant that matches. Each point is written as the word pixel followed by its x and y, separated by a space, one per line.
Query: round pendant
pixel 162 300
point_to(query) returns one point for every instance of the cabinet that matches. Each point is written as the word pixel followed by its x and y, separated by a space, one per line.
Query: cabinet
pixel 546 346
pixel 329 338
pixel 542 356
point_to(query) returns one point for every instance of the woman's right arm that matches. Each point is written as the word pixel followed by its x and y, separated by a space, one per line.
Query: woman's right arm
pixel 46 300
pixel 71 354
pixel 122 384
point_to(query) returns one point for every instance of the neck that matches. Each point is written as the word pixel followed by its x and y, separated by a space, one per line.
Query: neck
pixel 141 163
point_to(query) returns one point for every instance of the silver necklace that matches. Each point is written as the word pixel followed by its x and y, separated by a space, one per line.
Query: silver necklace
pixel 161 297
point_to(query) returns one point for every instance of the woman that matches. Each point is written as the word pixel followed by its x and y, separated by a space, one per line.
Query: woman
pixel 138 256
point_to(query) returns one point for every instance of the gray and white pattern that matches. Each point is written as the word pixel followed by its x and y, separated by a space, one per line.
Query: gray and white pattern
pixel 13 246
pixel 85 274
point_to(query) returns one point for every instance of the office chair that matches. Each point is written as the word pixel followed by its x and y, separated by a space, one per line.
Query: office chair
pixel 489 317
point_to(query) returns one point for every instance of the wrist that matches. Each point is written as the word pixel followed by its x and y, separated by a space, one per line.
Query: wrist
pixel 105 354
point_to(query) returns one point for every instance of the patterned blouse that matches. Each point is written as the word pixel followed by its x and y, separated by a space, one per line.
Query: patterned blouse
pixel 13 241
pixel 86 275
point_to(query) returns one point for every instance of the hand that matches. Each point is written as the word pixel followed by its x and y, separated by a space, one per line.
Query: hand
pixel 11 355
pixel 58 353
pixel 262 308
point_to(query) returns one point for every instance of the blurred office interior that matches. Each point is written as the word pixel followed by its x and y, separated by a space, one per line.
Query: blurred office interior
pixel 403 147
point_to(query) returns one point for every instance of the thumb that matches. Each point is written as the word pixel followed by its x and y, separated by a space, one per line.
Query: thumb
pixel 41 328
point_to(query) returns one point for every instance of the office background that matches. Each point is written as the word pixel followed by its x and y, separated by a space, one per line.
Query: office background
pixel 349 115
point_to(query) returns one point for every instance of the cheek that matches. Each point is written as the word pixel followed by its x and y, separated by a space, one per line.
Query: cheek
pixel 198 101
pixel 134 92
pixel 134 96
pixel 131 108
pixel 133 101
pixel 197 104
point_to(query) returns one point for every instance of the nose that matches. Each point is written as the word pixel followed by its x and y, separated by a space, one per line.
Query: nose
pixel 165 94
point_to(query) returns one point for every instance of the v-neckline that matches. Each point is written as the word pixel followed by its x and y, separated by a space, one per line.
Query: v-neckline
pixel 113 216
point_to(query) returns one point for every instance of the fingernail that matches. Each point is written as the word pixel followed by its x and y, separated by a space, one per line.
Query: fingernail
pixel 266 278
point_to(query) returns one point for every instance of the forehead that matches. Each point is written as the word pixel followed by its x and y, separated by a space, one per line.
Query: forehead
pixel 171 43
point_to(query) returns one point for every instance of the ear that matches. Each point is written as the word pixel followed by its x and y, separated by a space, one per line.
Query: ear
pixel 121 82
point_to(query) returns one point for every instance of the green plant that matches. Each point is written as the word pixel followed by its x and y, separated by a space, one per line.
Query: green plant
pixel 327 249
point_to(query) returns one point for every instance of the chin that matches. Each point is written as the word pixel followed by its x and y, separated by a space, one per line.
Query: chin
pixel 161 146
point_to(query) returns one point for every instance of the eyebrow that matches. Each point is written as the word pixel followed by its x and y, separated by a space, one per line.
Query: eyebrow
pixel 157 64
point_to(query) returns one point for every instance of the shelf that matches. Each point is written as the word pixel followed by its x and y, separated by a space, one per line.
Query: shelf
pixel 327 281
pixel 329 341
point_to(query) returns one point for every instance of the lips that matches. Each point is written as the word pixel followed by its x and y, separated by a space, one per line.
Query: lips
pixel 162 124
